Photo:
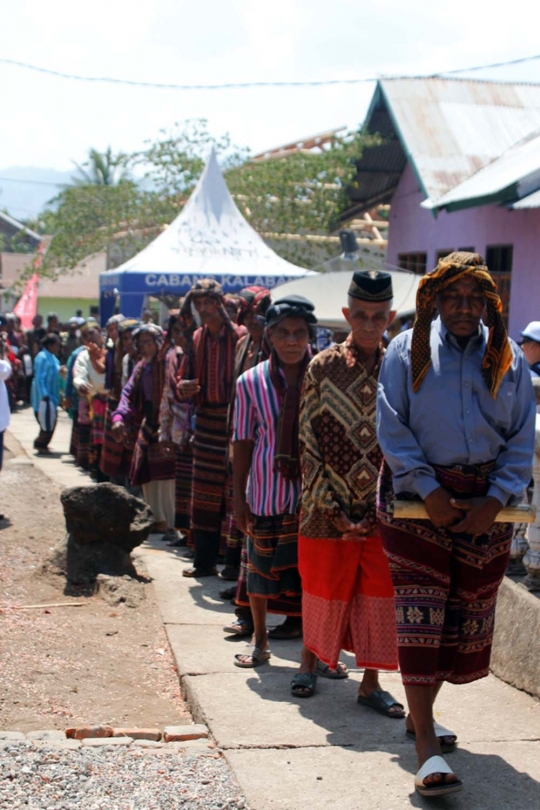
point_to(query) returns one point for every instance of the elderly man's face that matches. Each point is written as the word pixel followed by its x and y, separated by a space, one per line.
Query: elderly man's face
pixel 208 308
pixel 290 339
pixel 368 321
pixel 461 306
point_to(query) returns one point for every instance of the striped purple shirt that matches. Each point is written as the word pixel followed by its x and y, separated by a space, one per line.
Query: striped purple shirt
pixel 256 416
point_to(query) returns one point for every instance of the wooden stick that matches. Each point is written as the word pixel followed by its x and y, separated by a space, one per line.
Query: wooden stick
pixel 415 510
pixel 50 605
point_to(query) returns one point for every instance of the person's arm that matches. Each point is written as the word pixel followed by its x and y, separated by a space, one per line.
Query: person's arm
pixel 411 471
pixel 41 373
pixel 245 426
pixel 513 468
pixel 167 399
pixel 81 379
pixel 5 370
pixel 315 483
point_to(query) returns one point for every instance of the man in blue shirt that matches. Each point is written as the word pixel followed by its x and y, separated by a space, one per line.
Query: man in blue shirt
pixel 455 421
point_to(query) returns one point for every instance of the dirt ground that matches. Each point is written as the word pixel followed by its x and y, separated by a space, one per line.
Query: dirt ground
pixel 64 666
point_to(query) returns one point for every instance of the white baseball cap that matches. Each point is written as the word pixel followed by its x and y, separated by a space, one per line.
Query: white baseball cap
pixel 532 331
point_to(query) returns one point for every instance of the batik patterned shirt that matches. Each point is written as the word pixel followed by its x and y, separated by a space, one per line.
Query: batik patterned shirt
pixel 340 454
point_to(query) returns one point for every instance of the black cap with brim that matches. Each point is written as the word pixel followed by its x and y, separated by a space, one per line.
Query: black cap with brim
pixel 293 306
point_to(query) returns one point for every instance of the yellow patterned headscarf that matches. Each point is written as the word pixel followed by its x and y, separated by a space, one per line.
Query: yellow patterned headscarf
pixel 498 356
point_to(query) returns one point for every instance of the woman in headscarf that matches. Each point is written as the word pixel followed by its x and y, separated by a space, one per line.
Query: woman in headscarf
pixel 176 417
pixel 139 406
pixel 116 458
pixel 89 382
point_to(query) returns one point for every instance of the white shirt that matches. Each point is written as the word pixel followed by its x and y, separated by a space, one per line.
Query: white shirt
pixel 5 413
pixel 84 373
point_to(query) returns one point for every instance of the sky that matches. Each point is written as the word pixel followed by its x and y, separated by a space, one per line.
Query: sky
pixel 50 122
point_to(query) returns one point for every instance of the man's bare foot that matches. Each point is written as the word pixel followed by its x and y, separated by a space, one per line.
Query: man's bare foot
pixel 449 741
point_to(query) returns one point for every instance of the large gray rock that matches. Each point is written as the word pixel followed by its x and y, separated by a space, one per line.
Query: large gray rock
pixel 104 524
pixel 106 513
pixel 515 656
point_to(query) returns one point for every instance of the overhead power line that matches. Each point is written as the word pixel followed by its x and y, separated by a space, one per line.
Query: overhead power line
pixel 243 85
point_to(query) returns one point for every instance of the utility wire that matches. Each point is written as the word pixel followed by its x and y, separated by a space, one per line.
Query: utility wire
pixel 243 85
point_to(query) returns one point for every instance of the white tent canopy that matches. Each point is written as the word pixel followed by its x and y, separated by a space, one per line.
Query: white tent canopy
pixel 328 292
pixel 209 238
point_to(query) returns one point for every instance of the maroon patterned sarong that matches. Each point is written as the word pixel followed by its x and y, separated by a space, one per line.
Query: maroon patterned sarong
pixel 445 585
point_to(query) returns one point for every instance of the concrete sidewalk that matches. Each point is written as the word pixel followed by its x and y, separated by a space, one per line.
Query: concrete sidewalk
pixel 325 752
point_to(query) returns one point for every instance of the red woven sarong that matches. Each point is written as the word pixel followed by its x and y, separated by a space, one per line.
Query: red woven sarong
pixel 348 601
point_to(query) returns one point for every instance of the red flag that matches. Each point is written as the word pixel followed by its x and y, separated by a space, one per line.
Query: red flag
pixel 26 306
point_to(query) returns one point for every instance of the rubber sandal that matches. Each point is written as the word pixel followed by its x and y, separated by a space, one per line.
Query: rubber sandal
pixel 229 573
pixel 337 674
pixel 286 631
pixel 430 767
pixel 303 684
pixel 239 628
pixel 258 657
pixel 382 702
pixel 440 732
pixel 199 572
pixel 228 593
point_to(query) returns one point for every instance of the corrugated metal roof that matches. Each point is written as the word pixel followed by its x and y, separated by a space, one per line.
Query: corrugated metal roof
pixel 451 128
pixel 514 174
pixel 532 201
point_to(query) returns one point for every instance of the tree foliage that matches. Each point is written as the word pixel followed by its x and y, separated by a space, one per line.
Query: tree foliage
pixel 301 193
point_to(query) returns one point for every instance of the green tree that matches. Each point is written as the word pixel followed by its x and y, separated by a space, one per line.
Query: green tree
pixel 102 169
pixel 303 193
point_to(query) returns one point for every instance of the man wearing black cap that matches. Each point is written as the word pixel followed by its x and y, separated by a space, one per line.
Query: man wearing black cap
pixel 348 598
pixel 266 466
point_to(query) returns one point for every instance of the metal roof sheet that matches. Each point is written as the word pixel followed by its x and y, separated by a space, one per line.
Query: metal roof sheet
pixel 514 174
pixel 451 128
pixel 532 201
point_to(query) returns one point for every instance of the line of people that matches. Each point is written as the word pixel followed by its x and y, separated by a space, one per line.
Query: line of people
pixel 284 463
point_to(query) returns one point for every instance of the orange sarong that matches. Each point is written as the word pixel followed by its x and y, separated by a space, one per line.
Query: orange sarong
pixel 348 601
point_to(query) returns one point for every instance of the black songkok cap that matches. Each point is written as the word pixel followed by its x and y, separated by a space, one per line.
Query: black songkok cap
pixel 293 306
pixel 371 285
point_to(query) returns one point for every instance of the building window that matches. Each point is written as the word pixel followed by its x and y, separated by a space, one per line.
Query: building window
pixel 415 262
pixel 499 258
pixel 440 254
pixel 499 262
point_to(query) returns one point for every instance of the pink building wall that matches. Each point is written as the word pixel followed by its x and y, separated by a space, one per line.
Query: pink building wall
pixel 413 229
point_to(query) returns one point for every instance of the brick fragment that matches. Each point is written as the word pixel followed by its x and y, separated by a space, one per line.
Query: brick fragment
pixel 47 735
pixel 57 745
pixel 100 742
pixel 148 744
pixel 182 733
pixel 153 734
pixel 88 731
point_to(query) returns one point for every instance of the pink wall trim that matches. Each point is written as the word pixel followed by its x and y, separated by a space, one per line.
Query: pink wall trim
pixel 413 229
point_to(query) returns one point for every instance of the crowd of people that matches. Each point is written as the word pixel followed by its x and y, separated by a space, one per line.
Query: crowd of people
pixel 283 462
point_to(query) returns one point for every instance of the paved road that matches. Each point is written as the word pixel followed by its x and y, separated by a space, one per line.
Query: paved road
pixel 326 752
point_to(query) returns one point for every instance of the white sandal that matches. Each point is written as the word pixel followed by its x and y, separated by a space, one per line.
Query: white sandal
pixel 430 767
pixel 440 732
